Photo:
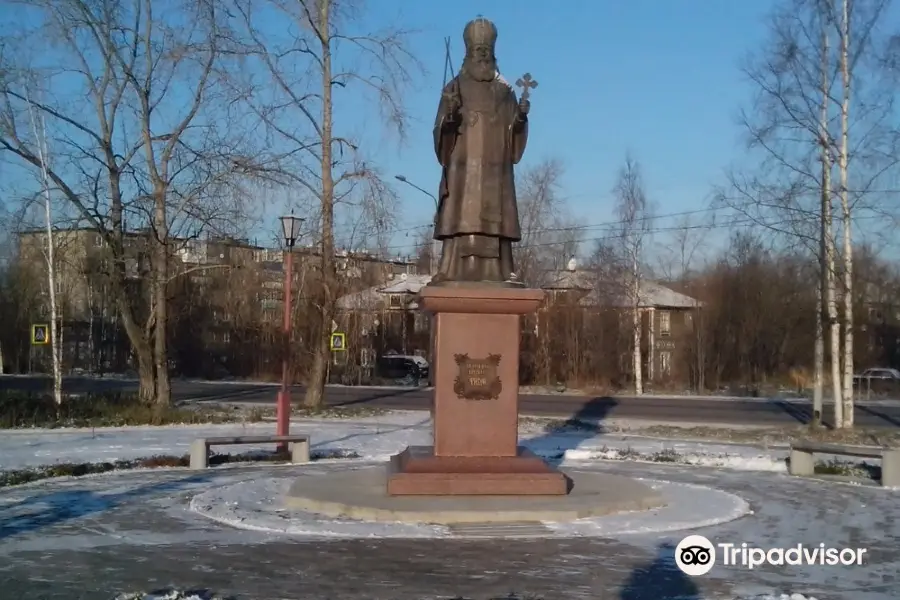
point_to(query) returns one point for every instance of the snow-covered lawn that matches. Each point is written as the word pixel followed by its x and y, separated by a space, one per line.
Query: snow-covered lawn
pixel 375 437
pixel 179 595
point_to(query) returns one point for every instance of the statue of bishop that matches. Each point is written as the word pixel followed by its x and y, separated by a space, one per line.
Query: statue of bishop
pixel 479 134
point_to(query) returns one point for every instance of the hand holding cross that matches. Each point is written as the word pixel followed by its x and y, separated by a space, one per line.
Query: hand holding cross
pixel 527 84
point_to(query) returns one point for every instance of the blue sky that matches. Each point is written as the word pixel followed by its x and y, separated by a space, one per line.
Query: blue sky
pixel 659 78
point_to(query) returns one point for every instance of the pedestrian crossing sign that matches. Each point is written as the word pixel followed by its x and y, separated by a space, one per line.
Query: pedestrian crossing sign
pixel 40 334
pixel 338 342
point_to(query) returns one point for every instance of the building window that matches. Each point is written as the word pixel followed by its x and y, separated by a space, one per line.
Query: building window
pixel 419 322
pixel 665 363
pixel 396 301
pixel 665 323
pixel 366 357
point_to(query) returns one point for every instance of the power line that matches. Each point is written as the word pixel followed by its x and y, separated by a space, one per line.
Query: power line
pixel 623 235
pixel 612 224
pixel 568 228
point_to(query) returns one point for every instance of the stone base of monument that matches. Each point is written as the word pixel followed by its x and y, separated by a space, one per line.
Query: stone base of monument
pixel 418 471
pixel 477 329
pixel 361 494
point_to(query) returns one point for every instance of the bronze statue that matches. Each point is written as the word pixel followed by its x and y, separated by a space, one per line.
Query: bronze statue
pixel 479 134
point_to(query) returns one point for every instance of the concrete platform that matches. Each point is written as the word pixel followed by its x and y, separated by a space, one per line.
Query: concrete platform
pixel 417 471
pixel 361 494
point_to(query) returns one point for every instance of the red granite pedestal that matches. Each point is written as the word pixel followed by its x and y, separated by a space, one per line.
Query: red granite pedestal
pixel 476 396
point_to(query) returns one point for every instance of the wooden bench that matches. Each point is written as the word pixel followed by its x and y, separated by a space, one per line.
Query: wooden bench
pixel 803 462
pixel 200 447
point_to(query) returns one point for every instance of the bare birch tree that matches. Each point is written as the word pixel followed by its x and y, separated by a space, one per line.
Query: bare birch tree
pixel 825 291
pixel 548 241
pixel 859 60
pixel 38 128
pixel 635 225
pixel 793 77
pixel 312 53
pixel 846 223
pixel 134 136
pixel 797 108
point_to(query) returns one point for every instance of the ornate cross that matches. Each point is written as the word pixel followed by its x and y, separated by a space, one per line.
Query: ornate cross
pixel 527 84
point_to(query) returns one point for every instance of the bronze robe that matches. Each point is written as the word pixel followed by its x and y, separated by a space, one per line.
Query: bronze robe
pixel 477 193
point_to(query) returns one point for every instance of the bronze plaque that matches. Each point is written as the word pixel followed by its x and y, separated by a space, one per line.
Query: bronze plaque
pixel 478 378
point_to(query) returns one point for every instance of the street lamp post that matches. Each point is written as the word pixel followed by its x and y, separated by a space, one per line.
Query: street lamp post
pixel 434 243
pixel 290 228
pixel 434 263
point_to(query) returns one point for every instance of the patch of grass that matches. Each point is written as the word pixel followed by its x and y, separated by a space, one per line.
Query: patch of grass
pixel 662 456
pixel 175 594
pixel 564 425
pixel 355 411
pixel 665 456
pixel 160 461
pixel 256 414
pixel 205 594
pixel 510 596
pixel 629 453
pixel 775 435
pixel 847 469
pixel 109 409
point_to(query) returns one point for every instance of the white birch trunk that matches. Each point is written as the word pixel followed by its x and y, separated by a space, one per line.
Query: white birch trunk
pixel 818 357
pixel 50 255
pixel 822 284
pixel 636 326
pixel 651 345
pixel 636 357
pixel 827 250
pixel 834 327
pixel 90 305
pixel 846 222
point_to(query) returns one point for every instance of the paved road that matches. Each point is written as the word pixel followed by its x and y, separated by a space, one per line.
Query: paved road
pixel 747 411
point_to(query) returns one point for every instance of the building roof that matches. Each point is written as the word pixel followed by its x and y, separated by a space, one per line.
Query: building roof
pixel 367 299
pixel 406 284
pixel 372 298
pixel 652 294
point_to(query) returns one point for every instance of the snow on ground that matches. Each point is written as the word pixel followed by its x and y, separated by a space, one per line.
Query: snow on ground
pixel 375 438
pixel 147 513
pixel 257 504
pixel 179 595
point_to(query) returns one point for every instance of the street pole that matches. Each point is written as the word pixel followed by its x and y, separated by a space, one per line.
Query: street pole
pixel 433 267
pixel 291 229
pixel 283 412
pixel 435 244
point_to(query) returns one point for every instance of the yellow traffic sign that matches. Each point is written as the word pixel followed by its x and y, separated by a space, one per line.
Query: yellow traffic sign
pixel 40 334
pixel 338 342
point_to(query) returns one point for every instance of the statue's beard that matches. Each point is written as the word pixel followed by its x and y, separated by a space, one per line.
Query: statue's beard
pixel 481 69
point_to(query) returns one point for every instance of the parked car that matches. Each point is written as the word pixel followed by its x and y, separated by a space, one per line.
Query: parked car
pixel 880 381
pixel 404 369
pixel 880 374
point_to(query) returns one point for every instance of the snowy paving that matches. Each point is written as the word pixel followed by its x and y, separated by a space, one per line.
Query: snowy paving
pixel 257 504
pixel 101 536
pixel 371 438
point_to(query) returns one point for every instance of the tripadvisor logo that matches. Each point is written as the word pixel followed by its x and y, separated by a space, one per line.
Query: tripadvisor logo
pixel 695 555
